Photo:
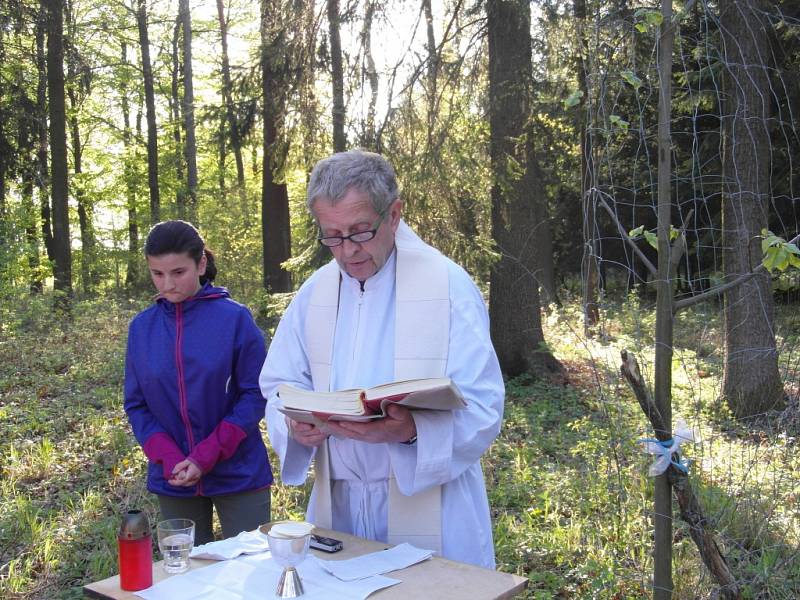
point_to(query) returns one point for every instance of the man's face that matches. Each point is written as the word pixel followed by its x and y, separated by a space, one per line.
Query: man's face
pixel 353 214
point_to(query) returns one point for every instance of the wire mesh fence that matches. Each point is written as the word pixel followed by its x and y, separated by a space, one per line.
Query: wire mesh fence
pixel 733 179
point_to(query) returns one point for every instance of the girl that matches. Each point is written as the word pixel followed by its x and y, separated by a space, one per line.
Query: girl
pixel 191 390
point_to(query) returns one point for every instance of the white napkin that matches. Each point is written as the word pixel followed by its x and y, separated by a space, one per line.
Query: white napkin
pixel 256 577
pixel 401 556
pixel 247 542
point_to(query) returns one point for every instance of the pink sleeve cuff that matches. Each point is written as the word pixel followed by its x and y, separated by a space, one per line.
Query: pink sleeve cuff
pixel 161 449
pixel 219 446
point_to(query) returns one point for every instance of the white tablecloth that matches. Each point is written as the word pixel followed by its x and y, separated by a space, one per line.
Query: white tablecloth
pixel 256 577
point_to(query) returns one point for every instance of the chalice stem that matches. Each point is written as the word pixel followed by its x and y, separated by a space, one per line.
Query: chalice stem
pixel 289 585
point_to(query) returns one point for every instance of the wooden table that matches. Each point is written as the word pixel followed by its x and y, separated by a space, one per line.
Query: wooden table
pixel 436 578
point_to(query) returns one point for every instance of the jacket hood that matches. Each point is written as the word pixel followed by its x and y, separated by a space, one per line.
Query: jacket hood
pixel 207 292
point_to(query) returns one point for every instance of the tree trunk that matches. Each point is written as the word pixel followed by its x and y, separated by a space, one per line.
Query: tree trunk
pixel 308 99
pixel 35 285
pixel 368 136
pixel 275 226
pixel 514 304
pixel 62 270
pixel 542 236
pixel 43 178
pixel 337 76
pixel 310 117
pixel 26 147
pixel 751 383
pixel 77 89
pixel 433 69
pixel 662 495
pixel 176 112
pixel 190 147
pixel 222 151
pixel 132 276
pixel 4 223
pixel 230 112
pixel 150 102
pixel 88 270
pixel 6 153
pixel 4 220
pixel 589 266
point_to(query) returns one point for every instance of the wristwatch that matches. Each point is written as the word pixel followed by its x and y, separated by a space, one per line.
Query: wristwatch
pixel 410 441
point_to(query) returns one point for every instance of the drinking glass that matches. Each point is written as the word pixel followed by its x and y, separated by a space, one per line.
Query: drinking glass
pixel 175 540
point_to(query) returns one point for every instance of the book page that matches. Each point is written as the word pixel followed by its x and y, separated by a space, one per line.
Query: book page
pixel 341 402
pixel 319 419
pixel 396 388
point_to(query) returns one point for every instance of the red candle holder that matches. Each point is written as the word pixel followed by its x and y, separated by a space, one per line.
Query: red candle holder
pixel 135 545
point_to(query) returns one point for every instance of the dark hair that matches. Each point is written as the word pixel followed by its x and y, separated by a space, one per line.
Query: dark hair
pixel 179 237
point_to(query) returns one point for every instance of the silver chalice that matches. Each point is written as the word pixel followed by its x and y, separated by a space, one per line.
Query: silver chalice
pixel 288 543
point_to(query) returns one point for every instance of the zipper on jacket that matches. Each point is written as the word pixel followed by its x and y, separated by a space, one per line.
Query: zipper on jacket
pixel 182 399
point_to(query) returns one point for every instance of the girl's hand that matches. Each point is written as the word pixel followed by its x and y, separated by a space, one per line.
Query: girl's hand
pixel 185 474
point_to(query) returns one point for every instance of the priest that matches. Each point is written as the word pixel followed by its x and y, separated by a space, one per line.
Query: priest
pixel 389 307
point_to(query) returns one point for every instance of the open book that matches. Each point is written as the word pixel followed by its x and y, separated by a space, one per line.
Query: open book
pixel 438 393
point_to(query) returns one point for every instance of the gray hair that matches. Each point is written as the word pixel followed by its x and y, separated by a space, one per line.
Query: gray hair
pixel 369 173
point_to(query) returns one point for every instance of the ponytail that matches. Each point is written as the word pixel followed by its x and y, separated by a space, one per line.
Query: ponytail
pixel 211 268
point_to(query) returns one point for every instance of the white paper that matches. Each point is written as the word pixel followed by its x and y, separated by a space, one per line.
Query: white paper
pixel 383 561
pixel 247 542
pixel 255 577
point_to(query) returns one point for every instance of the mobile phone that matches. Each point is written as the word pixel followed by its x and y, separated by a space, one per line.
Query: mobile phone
pixel 325 544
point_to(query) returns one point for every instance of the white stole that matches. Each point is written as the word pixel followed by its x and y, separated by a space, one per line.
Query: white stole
pixel 422 336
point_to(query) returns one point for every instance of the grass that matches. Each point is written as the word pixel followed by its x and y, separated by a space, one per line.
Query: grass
pixel 571 501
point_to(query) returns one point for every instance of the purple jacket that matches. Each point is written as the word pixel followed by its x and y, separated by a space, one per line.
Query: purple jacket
pixel 191 391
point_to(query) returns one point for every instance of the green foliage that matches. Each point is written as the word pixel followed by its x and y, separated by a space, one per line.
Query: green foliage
pixel 651 237
pixel 647 18
pixel 66 458
pixel 444 175
pixel 573 99
pixel 779 254
pixel 631 79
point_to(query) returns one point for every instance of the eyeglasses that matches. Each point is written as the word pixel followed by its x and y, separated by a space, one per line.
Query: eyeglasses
pixel 359 237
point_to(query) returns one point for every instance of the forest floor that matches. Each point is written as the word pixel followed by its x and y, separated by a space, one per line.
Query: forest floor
pixel 567 478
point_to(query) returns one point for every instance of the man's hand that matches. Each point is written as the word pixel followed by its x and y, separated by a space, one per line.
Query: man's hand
pixel 306 433
pixel 398 426
pixel 185 474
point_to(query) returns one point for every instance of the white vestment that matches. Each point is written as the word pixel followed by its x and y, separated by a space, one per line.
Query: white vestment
pixel 449 444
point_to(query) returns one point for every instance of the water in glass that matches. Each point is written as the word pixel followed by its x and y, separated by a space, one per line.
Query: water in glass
pixel 175 549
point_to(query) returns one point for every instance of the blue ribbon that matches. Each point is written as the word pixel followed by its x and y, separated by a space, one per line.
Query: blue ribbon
pixel 667 444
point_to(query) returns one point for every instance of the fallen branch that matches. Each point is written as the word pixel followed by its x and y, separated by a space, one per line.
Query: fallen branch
pixel 699 527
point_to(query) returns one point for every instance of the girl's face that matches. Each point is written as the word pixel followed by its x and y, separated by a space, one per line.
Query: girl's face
pixel 176 276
